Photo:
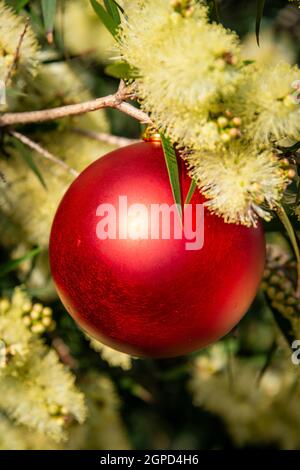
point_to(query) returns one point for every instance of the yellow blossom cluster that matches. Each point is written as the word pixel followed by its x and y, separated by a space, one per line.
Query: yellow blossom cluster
pixel 228 114
pixel 18 45
pixel 36 388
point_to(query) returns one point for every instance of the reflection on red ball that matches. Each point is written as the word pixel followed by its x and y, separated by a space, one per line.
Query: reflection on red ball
pixel 149 297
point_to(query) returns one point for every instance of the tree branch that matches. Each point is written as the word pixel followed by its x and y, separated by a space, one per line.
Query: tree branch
pixel 115 101
pixel 43 152
pixel 63 352
pixel 104 137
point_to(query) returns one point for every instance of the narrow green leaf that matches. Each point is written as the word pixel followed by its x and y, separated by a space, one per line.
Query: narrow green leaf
pixel 268 362
pixel 293 239
pixel 119 6
pixel 217 11
pixel 247 62
pixel 36 20
pixel 190 194
pixel 27 157
pixel 172 167
pixel 121 70
pixel 105 17
pixel 229 364
pixel 292 149
pixel 14 263
pixel 113 10
pixel 20 4
pixel 295 147
pixel 49 11
pixel 260 6
pixel 283 323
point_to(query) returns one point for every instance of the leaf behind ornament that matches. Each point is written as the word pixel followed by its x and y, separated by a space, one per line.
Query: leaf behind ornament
pixel 172 167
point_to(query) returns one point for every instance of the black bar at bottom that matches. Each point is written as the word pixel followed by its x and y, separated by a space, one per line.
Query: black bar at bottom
pixel 135 459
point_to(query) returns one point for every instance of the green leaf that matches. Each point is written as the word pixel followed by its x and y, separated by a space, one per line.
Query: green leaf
pixel 113 10
pixel 247 62
pixel 285 326
pixel 14 263
pixel 293 239
pixel 172 167
pixel 292 149
pixel 260 6
pixel 27 157
pixel 119 6
pixel 109 22
pixel 49 11
pixel 20 4
pixel 270 356
pixel 216 9
pixel 36 20
pixel 190 194
pixel 283 323
pixel 121 70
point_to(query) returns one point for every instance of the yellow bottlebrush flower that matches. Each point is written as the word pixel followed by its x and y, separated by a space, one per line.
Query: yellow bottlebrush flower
pixel 26 208
pixel 184 66
pixel 37 390
pixel 240 182
pixel 295 2
pixel 111 356
pixel 11 437
pixel 212 363
pixel 103 428
pixel 193 83
pixel 12 28
pixel 254 412
pixel 269 103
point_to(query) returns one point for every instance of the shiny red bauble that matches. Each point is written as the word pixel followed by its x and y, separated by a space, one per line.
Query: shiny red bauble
pixel 143 296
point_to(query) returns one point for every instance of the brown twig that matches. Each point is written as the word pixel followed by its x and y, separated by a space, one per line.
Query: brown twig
pixel 116 101
pixel 17 53
pixel 63 352
pixel 104 137
pixel 42 151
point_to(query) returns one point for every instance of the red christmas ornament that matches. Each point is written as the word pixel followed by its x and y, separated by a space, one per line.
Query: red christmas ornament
pixel 148 297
